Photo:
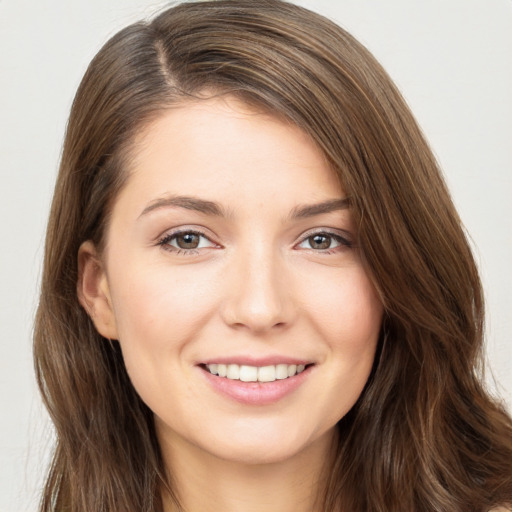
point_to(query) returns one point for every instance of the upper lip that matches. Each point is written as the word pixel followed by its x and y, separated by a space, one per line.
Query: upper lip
pixel 255 361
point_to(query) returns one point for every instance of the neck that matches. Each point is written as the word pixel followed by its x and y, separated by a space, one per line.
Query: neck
pixel 203 481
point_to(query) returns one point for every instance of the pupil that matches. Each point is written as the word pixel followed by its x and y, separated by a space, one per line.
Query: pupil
pixel 320 241
pixel 188 241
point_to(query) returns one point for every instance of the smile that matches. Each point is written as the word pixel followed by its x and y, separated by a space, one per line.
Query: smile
pixel 247 373
pixel 259 385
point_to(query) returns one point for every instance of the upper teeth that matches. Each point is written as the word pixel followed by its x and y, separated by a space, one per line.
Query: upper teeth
pixel 255 373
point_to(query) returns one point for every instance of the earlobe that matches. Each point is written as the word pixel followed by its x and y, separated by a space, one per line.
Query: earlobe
pixel 93 290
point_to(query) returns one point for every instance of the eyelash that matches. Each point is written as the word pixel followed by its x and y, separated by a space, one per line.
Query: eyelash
pixel 165 241
pixel 344 243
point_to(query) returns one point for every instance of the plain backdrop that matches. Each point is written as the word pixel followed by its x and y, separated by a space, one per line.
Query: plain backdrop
pixel 450 58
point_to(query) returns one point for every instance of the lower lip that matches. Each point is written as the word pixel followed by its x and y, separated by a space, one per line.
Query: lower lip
pixel 256 393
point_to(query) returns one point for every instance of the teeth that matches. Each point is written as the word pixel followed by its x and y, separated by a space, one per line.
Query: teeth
pixel 233 372
pixel 267 374
pixel 222 370
pixel 248 373
pixel 282 371
pixel 255 373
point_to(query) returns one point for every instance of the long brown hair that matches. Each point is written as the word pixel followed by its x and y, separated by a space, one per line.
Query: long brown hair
pixel 424 435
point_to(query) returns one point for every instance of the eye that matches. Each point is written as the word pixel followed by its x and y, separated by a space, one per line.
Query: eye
pixel 185 241
pixel 324 241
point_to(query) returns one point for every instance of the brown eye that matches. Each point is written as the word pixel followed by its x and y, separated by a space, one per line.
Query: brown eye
pixel 188 240
pixel 320 241
pixel 324 241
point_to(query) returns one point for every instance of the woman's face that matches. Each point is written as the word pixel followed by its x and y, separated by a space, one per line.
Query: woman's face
pixel 232 249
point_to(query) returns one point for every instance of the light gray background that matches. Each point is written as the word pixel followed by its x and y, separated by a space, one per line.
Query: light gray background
pixel 451 59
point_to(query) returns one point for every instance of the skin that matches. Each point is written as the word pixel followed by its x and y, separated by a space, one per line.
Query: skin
pixel 258 284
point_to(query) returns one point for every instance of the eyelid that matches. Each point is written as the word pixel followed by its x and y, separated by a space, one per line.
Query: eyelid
pixel 341 233
pixel 164 239
pixel 344 237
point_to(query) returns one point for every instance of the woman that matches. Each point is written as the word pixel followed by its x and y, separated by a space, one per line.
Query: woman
pixel 256 290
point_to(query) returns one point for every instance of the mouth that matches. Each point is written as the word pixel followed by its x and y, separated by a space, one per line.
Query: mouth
pixel 247 373
pixel 256 385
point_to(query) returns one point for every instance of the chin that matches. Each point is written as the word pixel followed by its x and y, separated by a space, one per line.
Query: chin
pixel 257 446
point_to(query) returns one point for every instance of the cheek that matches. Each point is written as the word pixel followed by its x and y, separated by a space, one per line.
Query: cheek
pixel 352 323
pixel 159 313
pixel 159 309
pixel 348 311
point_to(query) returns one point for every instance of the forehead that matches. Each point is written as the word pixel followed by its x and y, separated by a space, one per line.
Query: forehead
pixel 227 151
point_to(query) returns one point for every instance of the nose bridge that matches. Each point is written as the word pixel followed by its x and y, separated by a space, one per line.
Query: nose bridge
pixel 257 298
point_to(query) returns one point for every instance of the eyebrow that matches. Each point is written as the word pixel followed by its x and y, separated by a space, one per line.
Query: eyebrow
pixel 188 203
pixel 216 210
pixel 310 210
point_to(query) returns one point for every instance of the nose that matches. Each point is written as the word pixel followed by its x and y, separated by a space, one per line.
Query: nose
pixel 258 294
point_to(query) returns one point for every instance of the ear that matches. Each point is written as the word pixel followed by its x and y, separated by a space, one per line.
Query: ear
pixel 93 290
